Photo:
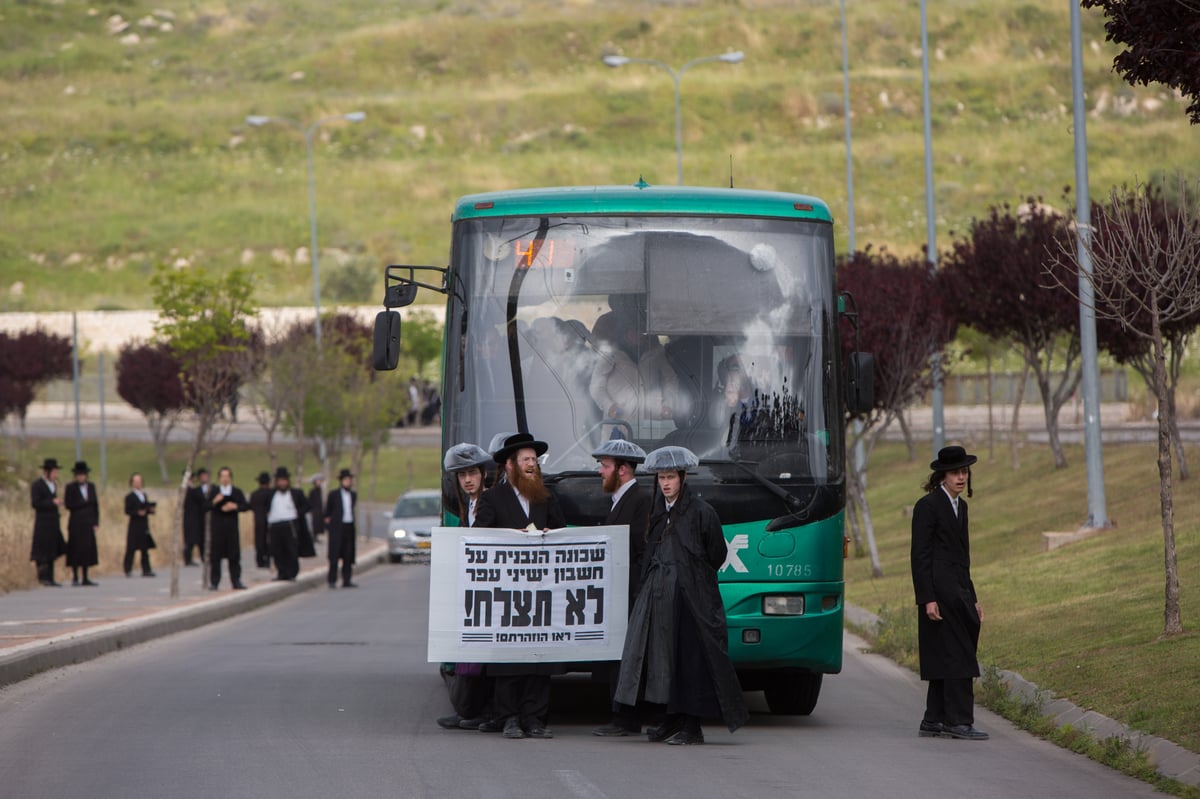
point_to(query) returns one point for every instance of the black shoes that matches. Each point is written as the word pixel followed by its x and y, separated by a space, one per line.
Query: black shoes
pixel 149 574
pixel 491 725
pixel 512 729
pixel 931 729
pixel 50 583
pixel 472 723
pixel 239 587
pixel 661 732
pixel 88 582
pixel 686 737
pixel 450 722
pixel 964 732
pixel 538 731
pixel 615 729
pixel 349 585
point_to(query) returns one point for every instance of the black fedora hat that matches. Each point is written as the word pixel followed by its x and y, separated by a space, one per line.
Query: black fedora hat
pixel 519 441
pixel 264 478
pixel 282 472
pixel 49 463
pixel 81 467
pixel 345 473
pixel 952 458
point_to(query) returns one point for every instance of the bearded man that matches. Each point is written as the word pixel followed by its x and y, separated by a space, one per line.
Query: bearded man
pixel 522 693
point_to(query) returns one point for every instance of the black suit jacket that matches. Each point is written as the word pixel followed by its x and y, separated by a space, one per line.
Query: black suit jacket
pixel 318 507
pixel 499 507
pixel 334 510
pixel 226 521
pixel 85 513
pixel 941 572
pixel 633 509
pixel 195 505
pixel 48 542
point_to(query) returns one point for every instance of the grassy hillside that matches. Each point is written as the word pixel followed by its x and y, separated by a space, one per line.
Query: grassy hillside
pixel 116 154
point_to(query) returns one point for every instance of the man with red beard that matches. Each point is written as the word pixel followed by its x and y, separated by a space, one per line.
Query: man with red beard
pixel 522 693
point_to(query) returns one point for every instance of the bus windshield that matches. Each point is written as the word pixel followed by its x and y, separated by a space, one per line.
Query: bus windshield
pixel 714 333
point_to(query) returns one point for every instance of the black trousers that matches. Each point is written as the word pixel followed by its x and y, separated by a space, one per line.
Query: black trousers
pixel 470 695
pixel 950 702
pixel 129 553
pixel 526 696
pixel 233 553
pixel 348 532
pixel 284 549
pixel 188 546
pixel 262 546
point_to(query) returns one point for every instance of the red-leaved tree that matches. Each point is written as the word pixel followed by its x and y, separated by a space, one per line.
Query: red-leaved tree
pixel 148 379
pixel 996 278
pixel 29 360
pixel 903 319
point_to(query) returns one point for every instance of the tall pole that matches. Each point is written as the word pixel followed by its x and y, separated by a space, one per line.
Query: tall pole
pixel 1090 384
pixel 935 358
pixel 312 226
pixel 676 78
pixel 75 383
pixel 103 436
pixel 846 116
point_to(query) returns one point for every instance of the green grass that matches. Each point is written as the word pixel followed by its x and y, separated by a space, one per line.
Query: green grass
pixel 1083 621
pixel 117 157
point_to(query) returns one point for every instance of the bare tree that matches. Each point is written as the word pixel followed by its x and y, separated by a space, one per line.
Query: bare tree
pixel 1145 255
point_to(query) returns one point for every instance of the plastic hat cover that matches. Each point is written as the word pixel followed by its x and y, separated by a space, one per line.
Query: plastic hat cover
pixel 465 456
pixel 497 442
pixel 670 459
pixel 620 449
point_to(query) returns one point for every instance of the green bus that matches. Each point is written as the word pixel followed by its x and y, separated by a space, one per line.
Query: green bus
pixel 704 317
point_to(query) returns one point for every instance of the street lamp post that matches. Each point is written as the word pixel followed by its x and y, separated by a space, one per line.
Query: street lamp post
pixel 676 75
pixel 353 116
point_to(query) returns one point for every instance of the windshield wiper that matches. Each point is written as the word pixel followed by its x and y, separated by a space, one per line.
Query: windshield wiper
pixel 798 506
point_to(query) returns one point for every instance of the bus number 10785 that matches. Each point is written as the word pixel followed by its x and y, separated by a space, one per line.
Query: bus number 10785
pixel 789 570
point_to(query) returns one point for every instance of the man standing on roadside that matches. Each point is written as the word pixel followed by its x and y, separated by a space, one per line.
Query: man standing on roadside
pixel 81 500
pixel 522 697
pixel 619 460
pixel 196 504
pixel 286 506
pixel 227 504
pixel 316 499
pixel 260 501
pixel 340 509
pixel 48 541
pixel 948 611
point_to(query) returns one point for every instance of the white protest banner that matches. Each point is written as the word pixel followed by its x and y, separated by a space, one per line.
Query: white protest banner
pixel 506 596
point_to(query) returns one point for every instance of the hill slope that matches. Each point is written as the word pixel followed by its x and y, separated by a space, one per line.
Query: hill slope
pixel 124 144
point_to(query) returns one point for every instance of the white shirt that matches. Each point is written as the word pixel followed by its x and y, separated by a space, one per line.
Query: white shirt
pixel 620 492
pixel 141 497
pixel 347 508
pixel 83 491
pixel 524 502
pixel 53 487
pixel 669 505
pixel 471 512
pixel 953 501
pixel 227 491
pixel 283 509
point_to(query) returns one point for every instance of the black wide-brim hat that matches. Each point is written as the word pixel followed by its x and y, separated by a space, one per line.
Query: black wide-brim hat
pixel 264 478
pixel 81 467
pixel 951 458
pixel 48 464
pixel 344 473
pixel 519 441
pixel 282 472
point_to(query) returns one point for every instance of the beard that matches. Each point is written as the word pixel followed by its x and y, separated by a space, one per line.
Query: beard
pixel 529 486
pixel 611 483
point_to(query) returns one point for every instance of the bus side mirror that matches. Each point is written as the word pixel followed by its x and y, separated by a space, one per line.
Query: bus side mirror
pixel 860 382
pixel 385 353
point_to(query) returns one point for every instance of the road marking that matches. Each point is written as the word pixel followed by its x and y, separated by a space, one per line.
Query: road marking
pixel 579 785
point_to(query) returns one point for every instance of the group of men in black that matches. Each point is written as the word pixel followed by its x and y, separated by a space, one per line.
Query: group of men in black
pixel 675 664
pixel 282 532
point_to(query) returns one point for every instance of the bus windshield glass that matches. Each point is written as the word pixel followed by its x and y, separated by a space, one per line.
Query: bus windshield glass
pixel 711 332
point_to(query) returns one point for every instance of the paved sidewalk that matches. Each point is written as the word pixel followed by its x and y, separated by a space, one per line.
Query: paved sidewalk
pixel 45 628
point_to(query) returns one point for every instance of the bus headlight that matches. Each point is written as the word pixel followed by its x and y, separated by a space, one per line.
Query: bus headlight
pixel 783 605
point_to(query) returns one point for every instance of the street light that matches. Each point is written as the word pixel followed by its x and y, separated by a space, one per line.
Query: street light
pixel 676 75
pixel 258 121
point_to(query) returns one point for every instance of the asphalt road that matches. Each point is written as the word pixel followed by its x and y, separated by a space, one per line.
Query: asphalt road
pixel 327 695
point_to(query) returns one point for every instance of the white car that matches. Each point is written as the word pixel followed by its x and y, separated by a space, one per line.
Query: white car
pixel 411 523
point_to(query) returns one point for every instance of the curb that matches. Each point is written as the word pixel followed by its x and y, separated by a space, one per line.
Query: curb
pixel 24 661
pixel 1170 759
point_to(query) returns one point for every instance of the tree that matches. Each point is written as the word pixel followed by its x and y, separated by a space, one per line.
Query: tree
pixel 997 280
pixel 1145 275
pixel 422 339
pixel 203 320
pixel 148 378
pixel 1160 38
pixel 903 317
pixel 29 360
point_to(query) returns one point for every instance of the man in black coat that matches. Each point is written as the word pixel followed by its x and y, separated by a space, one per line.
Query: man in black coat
pixel 316 499
pixel 619 460
pixel 260 500
pixel 676 650
pixel 948 611
pixel 48 543
pixel 285 515
pixel 340 509
pixel 522 697
pixel 196 503
pixel 137 534
pixel 227 503
pixel 80 499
